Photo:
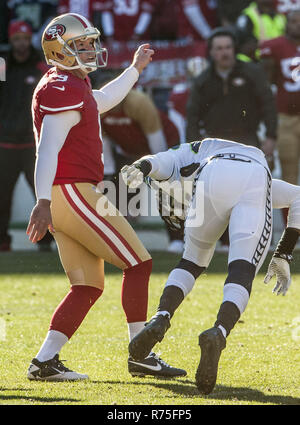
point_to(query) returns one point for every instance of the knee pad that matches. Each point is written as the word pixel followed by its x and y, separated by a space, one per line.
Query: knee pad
pixel 242 273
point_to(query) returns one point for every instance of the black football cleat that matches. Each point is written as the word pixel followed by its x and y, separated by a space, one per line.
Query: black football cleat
pixel 154 331
pixel 154 366
pixel 52 370
pixel 211 342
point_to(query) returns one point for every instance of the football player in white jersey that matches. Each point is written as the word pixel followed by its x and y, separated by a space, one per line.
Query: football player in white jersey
pixel 234 186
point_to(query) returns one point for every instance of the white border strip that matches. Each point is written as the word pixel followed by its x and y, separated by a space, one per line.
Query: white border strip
pixel 64 108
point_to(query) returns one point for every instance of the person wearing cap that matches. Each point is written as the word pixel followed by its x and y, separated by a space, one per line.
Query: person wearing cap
pixel 17 149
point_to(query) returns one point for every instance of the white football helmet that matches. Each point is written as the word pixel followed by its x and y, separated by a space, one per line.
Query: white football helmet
pixel 58 43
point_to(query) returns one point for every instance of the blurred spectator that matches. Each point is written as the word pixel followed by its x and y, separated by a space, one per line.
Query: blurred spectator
pixel 36 12
pixel 179 95
pixel 197 18
pixel 91 9
pixel 126 20
pixel 258 22
pixel 281 58
pixel 164 22
pixel 132 129
pixel 247 46
pixel 230 10
pixel 3 22
pixel 230 99
pixel 261 19
pixel 17 149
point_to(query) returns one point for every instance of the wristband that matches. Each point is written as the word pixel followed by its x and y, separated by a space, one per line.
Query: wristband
pixel 286 257
pixel 144 166
pixel 287 243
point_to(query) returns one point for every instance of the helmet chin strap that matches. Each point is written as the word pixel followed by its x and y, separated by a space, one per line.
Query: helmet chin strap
pixel 86 66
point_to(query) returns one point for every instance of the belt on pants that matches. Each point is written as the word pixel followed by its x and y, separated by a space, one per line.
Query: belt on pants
pixel 232 157
pixel 237 157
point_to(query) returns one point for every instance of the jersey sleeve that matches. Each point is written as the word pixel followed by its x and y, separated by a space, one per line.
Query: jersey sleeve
pixel 60 97
pixel 286 195
pixel 167 165
pixel 163 165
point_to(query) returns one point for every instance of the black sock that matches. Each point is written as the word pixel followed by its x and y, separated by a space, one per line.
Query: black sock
pixel 228 316
pixel 170 300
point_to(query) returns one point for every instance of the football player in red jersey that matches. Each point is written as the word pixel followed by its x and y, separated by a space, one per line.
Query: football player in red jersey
pixel 69 165
pixel 126 20
pixel 197 18
pixel 281 58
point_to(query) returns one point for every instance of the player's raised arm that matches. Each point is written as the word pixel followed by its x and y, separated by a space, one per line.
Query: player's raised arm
pixel 55 129
pixel 114 92
pixel 163 165
pixel 285 195
pixel 160 167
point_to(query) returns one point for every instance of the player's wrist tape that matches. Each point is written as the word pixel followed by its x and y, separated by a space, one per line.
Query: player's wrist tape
pixel 287 244
pixel 286 257
pixel 144 166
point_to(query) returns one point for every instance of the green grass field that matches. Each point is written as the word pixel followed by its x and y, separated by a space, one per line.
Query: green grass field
pixel 259 366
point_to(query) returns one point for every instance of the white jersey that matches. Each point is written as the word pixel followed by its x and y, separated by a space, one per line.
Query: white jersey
pixel 182 164
pixel 168 164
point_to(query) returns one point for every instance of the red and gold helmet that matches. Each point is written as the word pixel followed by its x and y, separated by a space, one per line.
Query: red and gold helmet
pixel 58 43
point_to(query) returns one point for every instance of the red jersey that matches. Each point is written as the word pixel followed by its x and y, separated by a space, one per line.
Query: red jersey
pixel 80 159
pixel 178 98
pixel 286 56
pixel 127 133
pixel 86 8
pixel 208 11
pixel 126 14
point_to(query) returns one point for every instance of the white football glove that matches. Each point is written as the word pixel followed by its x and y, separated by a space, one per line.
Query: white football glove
pixel 281 268
pixel 132 175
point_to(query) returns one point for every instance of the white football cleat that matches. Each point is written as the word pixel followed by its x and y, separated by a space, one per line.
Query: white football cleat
pixel 52 370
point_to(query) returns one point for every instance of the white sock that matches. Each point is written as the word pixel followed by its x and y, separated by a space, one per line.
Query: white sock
pixel 52 345
pixel 236 294
pixel 223 330
pixel 182 279
pixel 134 328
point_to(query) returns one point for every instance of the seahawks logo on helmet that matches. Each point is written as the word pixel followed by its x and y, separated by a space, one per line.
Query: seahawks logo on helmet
pixel 54 31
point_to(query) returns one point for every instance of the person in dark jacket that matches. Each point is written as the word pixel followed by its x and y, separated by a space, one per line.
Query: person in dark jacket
pixel 231 98
pixel 24 68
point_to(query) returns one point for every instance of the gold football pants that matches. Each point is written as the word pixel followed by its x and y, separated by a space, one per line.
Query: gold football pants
pixel 86 237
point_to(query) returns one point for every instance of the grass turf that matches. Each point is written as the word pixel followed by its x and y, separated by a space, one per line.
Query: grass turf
pixel 259 366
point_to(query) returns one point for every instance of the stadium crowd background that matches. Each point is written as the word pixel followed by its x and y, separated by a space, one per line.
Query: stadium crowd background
pixel 178 31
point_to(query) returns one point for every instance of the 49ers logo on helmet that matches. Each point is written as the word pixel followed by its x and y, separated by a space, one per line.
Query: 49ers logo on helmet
pixel 53 31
